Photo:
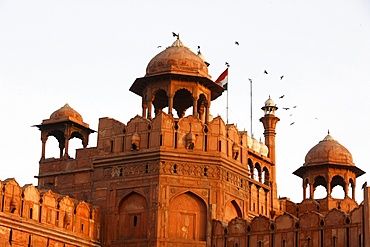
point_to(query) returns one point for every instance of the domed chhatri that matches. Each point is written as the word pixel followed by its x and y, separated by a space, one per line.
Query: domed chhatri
pixel 269 107
pixel 328 151
pixel 177 79
pixel 66 111
pixel 177 59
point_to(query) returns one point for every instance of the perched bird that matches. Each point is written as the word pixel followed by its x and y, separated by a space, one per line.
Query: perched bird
pixel 175 35
pixel 236 42
pixel 286 108
pixel 281 77
pixel 291 123
pixel 265 72
pixel 282 96
pixel 250 80
pixel 227 64
pixel 198 48
pixel 364 185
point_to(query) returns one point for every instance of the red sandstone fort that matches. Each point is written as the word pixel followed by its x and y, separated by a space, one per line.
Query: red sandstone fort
pixel 164 179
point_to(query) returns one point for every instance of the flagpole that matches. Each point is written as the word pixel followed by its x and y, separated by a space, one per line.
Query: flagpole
pixel 227 100
pixel 251 107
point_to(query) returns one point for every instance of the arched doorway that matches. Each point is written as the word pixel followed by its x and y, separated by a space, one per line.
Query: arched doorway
pixel 188 217
pixel 133 217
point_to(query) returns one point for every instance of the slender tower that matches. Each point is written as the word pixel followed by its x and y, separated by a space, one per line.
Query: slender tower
pixel 269 121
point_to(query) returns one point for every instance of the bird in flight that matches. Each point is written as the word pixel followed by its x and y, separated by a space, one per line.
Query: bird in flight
pixel 286 108
pixel 292 123
pixel 295 106
pixel 236 42
pixel 281 77
pixel 159 46
pixel 265 72
pixel 282 96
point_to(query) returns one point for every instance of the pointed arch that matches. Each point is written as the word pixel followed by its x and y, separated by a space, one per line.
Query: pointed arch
pixel 160 100
pixel 188 217
pixel 232 210
pixel 335 191
pixel 250 167
pixel 265 176
pixel 182 101
pixel 257 172
pixel 132 217
pixel 320 181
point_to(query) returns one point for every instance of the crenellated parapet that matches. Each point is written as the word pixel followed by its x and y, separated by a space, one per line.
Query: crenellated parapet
pixel 188 134
pixel 30 217
pixel 309 229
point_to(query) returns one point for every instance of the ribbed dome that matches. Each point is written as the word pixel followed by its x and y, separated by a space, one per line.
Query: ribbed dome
pixel 177 59
pixel 269 102
pixel 66 111
pixel 328 151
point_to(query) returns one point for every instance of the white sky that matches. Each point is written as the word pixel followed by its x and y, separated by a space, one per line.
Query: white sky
pixel 88 53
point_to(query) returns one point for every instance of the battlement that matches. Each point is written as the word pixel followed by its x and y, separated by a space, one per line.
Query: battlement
pixel 30 217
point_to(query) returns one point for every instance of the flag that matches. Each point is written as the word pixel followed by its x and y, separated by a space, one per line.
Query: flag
pixel 223 79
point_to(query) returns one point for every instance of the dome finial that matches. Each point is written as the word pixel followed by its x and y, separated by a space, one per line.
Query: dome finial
pixel 177 42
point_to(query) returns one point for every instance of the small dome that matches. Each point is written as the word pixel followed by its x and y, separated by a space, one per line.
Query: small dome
pixel 264 150
pixel 255 145
pixel 66 111
pixel 191 136
pixel 328 151
pixel 135 137
pixel 269 102
pixel 177 59
pixel 249 141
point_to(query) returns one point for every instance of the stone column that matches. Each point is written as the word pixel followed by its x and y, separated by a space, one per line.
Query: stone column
pixel 311 191
pixel 195 107
pixel 170 104
pixel 150 110
pixel 43 148
pixel 66 142
pixel 304 191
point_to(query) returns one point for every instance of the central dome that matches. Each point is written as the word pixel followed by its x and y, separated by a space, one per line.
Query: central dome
pixel 328 151
pixel 177 59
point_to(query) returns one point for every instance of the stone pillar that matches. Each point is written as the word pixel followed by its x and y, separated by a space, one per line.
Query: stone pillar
pixel 170 104
pixel 150 110
pixel 144 106
pixel 354 191
pixel 311 191
pixel 43 148
pixel 66 142
pixel 328 187
pixel 206 118
pixel 195 107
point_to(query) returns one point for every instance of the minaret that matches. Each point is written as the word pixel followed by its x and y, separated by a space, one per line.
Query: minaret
pixel 269 121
